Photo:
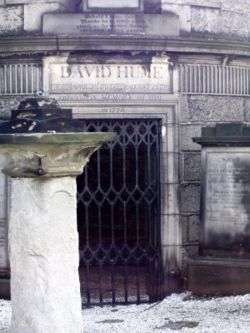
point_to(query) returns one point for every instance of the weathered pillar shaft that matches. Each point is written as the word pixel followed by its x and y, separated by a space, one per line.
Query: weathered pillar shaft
pixel 44 256
pixel 43 238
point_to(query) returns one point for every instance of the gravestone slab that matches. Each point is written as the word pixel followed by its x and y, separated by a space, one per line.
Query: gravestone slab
pixel 225 209
pixel 226 197
pixel 223 265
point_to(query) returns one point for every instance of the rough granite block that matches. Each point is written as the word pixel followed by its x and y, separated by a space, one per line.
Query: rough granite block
pixel 187 132
pixel 190 198
pixel 193 228
pixel 211 108
pixel 247 109
pixel 191 166
pixel 11 19
pixel 209 20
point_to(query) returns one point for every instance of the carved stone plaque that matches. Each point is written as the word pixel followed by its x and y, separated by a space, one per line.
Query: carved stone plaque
pixel 226 199
pixel 111 23
pixel 96 82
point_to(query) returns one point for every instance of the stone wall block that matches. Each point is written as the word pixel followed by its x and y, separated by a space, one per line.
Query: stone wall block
pixel 190 228
pixel 240 6
pixel 190 198
pixel 193 228
pixel 191 165
pixel 247 109
pixel 184 13
pixel 211 108
pixel 33 14
pixel 184 227
pixel 11 20
pixel 192 250
pixel 210 20
pixel 187 132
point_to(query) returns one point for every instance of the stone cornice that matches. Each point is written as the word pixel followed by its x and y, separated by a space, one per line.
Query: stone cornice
pixel 51 44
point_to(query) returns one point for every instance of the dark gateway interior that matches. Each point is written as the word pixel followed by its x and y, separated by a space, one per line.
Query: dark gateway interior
pixel 119 215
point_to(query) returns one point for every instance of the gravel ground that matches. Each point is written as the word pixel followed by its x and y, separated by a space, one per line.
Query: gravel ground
pixel 176 313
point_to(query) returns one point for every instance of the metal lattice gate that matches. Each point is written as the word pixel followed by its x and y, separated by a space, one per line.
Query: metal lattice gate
pixel 119 215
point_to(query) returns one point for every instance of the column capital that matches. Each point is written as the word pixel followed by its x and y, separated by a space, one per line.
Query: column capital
pixel 48 154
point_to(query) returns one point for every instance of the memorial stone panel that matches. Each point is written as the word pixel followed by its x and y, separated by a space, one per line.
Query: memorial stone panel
pixel 111 23
pixel 119 82
pixel 226 199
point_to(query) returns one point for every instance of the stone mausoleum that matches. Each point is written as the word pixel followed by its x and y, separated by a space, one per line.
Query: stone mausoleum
pixel 155 72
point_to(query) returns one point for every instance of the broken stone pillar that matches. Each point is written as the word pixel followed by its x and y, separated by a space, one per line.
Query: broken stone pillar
pixel 43 237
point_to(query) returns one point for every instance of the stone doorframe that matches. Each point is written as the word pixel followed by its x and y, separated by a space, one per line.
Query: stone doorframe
pixel 138 104
pixel 167 112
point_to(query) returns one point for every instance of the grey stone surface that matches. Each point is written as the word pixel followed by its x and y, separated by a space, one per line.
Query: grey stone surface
pixel 218 276
pixel 48 154
pixel 95 4
pixel 211 108
pixel 239 6
pixel 190 228
pixel 11 19
pixel 184 228
pixel 247 109
pixel 120 24
pixel 226 196
pixel 217 21
pixel 107 78
pixel 184 13
pixel 187 132
pixel 191 165
pixel 226 17
pixel 190 198
pixel 193 228
pixel 33 14
pixel 44 256
pixel 43 238
pixel 192 250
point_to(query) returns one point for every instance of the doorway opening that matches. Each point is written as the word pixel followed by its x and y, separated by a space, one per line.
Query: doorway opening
pixel 119 215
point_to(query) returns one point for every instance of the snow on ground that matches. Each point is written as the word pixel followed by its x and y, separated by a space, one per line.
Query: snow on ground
pixel 176 313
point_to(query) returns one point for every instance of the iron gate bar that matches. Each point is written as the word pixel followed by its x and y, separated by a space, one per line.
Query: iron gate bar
pixel 119 215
